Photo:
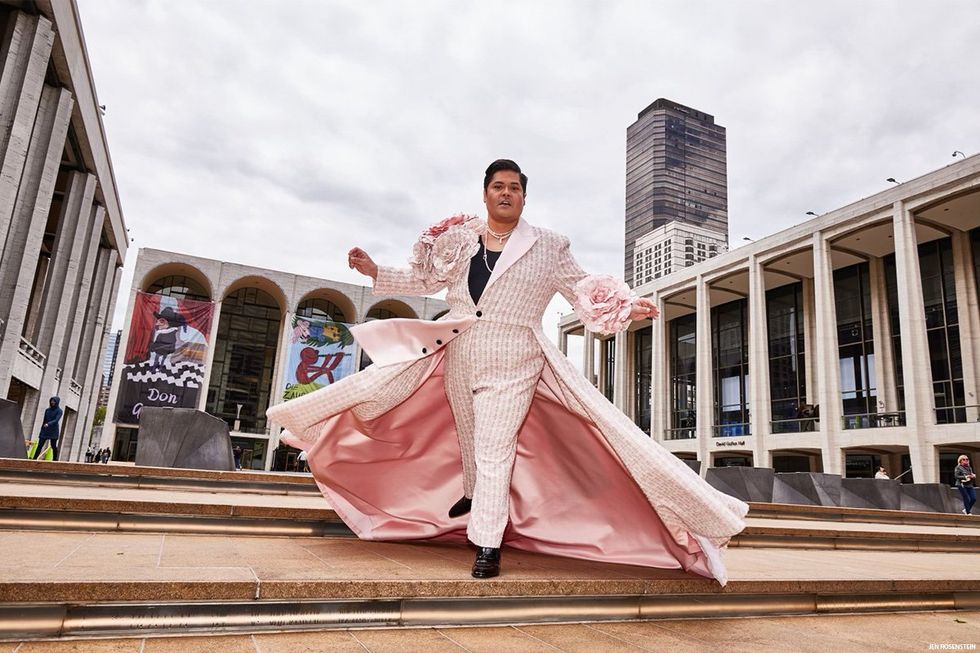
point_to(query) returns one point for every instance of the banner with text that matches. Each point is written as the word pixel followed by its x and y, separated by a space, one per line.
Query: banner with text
pixel 165 355
pixel 320 352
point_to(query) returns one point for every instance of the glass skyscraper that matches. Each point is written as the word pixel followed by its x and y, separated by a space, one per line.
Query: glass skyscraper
pixel 675 171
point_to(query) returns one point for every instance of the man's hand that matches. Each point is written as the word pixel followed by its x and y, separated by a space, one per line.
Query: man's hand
pixel 359 260
pixel 644 308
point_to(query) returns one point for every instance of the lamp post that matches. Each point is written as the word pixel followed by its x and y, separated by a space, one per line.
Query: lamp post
pixel 955 152
pixel 892 179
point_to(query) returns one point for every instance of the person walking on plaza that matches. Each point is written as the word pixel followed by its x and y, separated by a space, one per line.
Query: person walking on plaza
pixel 50 430
pixel 882 474
pixel 480 413
pixel 966 481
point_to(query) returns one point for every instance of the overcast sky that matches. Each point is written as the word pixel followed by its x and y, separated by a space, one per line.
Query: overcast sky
pixel 280 134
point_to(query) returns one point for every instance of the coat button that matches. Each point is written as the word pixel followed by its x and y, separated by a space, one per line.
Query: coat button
pixel 479 313
pixel 424 350
pixel 438 342
pixel 455 330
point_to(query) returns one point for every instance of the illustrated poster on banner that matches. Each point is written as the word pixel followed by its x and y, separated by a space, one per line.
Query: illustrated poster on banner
pixel 165 355
pixel 320 352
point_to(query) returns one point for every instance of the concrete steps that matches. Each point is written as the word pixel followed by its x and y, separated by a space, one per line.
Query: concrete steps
pixel 130 583
pixel 63 507
pixel 87 557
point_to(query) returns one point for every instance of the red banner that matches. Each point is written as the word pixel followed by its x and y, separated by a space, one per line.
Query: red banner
pixel 165 355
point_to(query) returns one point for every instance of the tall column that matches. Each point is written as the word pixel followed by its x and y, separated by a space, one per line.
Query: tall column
pixel 827 356
pixel 588 355
pixel 760 408
pixel 919 401
pixel 278 381
pixel 90 368
pixel 90 345
pixel 704 392
pixel 969 316
pixel 24 65
pixel 62 278
pixel 660 383
pixel 22 245
pixel 80 296
pixel 882 334
pixel 623 372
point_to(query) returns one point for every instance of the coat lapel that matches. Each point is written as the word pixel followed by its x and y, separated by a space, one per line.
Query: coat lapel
pixel 520 241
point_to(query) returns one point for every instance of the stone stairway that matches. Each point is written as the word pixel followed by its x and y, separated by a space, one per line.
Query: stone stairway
pixel 94 551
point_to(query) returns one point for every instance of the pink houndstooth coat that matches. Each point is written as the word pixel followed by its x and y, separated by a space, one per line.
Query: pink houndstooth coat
pixel 586 481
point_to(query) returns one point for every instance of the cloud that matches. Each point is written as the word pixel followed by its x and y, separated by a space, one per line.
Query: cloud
pixel 279 136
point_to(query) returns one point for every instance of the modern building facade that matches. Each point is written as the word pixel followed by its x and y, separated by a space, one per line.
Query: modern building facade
pixel 671 247
pixel 62 233
pixel 842 343
pixel 245 367
pixel 675 172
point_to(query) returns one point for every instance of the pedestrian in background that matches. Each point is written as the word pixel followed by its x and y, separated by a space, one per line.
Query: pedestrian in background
pixel 49 429
pixel 966 481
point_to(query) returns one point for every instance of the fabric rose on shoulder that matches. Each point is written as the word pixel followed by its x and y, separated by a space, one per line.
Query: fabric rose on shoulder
pixel 603 303
pixel 443 248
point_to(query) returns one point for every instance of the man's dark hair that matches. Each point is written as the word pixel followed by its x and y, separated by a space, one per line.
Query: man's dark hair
pixel 504 164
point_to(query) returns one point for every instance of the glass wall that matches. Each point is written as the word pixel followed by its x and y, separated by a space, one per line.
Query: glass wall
pixel 683 377
pixel 855 339
pixel 730 366
pixel 787 366
pixel 643 355
pixel 942 329
pixel 244 360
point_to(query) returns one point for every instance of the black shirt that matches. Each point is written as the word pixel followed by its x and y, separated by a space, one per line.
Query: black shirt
pixel 479 274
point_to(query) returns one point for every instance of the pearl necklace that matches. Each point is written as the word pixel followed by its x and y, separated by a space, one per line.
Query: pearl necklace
pixel 500 237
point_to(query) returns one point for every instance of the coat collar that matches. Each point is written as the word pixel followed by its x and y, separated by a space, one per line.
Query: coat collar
pixel 520 241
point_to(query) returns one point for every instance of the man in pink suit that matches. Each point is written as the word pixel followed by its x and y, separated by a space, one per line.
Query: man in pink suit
pixel 481 403
pixel 493 368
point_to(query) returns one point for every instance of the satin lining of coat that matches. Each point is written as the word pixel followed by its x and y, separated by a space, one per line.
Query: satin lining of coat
pixel 395 476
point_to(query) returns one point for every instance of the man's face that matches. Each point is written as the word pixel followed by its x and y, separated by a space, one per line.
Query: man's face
pixel 504 196
pixel 161 323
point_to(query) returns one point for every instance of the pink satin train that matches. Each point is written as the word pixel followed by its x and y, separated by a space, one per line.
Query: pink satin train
pixel 395 477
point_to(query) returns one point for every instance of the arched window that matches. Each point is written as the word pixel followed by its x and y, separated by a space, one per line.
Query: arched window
pixel 179 287
pixel 377 313
pixel 321 309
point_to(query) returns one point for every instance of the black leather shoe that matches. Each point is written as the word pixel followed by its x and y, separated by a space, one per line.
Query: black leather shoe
pixel 461 507
pixel 487 563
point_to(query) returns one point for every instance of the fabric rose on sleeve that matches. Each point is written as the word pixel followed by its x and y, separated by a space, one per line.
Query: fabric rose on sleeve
pixel 443 249
pixel 603 303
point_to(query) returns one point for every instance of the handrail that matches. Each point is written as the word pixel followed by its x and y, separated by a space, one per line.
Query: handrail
pixel 731 430
pixel 32 353
pixel 679 433
pixel 796 425
pixel 884 419
pixel 957 414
